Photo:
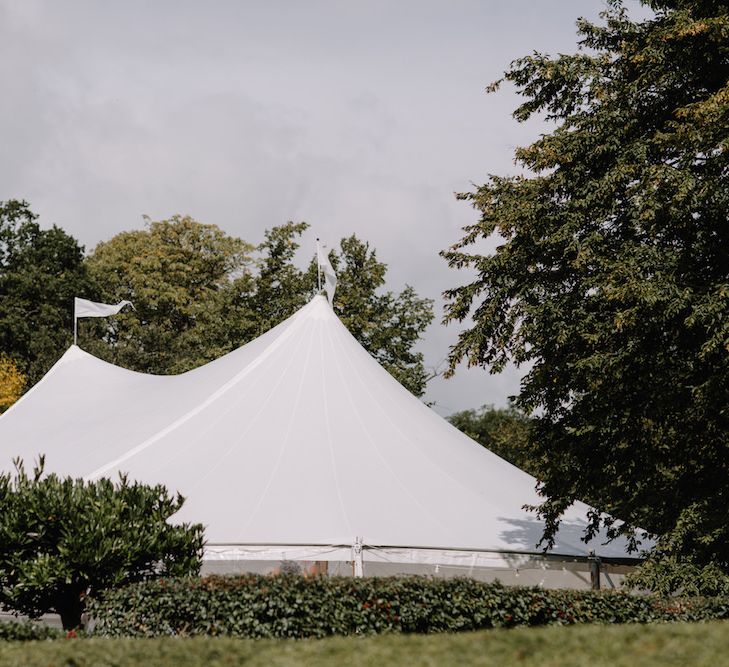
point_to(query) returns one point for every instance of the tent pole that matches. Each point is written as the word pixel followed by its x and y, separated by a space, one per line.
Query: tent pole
pixel 75 330
pixel 594 571
pixel 318 266
pixel 357 559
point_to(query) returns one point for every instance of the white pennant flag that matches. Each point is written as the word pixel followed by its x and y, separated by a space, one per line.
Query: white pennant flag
pixel 85 308
pixel 330 278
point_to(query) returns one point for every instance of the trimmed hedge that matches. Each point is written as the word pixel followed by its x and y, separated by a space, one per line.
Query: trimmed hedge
pixel 296 606
pixel 26 631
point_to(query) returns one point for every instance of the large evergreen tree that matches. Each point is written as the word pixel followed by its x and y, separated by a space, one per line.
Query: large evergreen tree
pixel 612 278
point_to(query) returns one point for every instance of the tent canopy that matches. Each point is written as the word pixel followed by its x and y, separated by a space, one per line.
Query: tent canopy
pixel 297 440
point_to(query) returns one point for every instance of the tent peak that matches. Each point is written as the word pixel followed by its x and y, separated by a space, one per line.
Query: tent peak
pixel 319 308
pixel 73 352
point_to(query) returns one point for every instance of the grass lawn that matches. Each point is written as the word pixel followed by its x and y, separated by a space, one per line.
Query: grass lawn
pixel 689 644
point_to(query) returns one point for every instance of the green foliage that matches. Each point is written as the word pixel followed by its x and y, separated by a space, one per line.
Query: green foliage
pixel 667 576
pixel 298 607
pixel 199 293
pixel 387 325
pixel 612 280
pixel 504 431
pixel 61 538
pixel 176 273
pixel 41 270
pixel 278 288
pixel 26 631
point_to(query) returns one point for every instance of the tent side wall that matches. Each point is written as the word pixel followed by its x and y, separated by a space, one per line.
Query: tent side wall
pixel 519 569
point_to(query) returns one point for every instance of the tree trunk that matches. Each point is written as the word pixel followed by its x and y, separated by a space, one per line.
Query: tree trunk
pixel 70 608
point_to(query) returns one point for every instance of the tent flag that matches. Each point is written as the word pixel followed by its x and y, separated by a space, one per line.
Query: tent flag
pixel 330 278
pixel 86 308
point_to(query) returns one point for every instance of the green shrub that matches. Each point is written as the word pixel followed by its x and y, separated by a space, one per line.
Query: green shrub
pixel 62 537
pixel 667 575
pixel 27 631
pixel 295 606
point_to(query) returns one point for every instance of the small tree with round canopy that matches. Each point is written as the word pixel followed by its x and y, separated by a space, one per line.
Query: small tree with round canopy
pixel 61 538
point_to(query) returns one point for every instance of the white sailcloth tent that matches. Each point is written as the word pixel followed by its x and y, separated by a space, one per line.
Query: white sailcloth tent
pixel 296 446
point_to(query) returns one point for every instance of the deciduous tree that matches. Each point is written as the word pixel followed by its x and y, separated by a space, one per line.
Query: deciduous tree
pixel 504 431
pixel 12 382
pixel 41 270
pixel 611 279
pixel 199 293
pixel 176 273
pixel 387 324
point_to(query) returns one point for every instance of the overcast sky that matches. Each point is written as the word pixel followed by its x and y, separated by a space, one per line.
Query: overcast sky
pixel 358 117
